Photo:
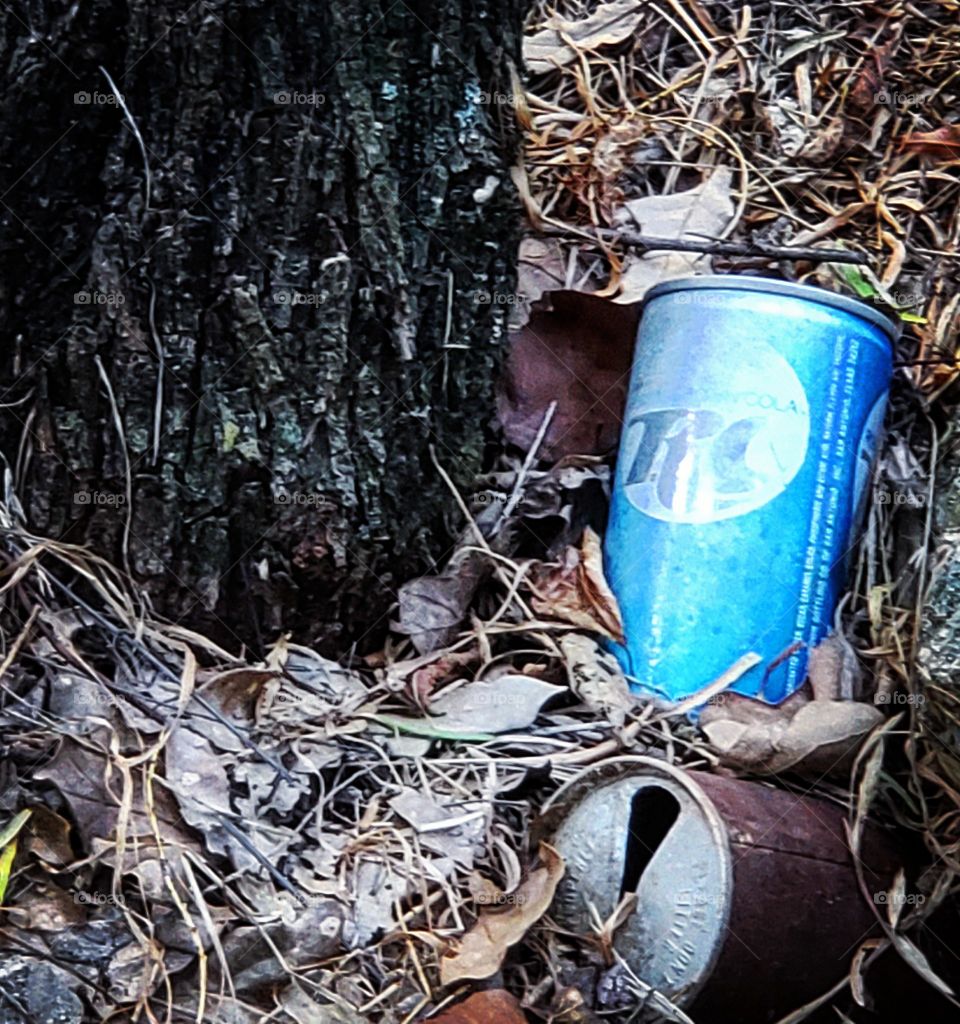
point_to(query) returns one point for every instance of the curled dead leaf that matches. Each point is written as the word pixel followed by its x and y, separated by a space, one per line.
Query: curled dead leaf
pixel 868 89
pixel 576 590
pixel 432 607
pixel 47 908
pixel 483 948
pixel 811 738
pixel 47 837
pixel 92 785
pixel 833 669
pixel 596 678
pixel 422 683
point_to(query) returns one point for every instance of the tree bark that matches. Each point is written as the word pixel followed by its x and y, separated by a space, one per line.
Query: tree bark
pixel 245 255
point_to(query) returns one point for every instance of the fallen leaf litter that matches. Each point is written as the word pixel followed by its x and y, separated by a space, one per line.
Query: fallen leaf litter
pixel 211 837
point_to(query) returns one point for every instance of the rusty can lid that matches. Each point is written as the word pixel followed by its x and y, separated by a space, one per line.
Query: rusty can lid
pixel 640 825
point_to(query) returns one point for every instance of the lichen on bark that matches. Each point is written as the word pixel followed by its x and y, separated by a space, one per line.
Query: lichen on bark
pixel 304 277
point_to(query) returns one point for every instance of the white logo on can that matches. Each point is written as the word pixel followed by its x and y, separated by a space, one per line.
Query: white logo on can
pixel 721 446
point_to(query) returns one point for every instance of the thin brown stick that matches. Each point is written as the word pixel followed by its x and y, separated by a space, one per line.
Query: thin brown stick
pixel 632 240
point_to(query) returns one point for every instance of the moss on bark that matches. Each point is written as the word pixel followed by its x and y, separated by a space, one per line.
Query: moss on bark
pixel 283 286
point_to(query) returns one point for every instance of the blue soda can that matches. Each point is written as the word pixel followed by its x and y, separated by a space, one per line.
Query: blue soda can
pixel 753 417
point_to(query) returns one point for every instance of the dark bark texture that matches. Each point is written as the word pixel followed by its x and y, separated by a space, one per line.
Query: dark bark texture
pixel 240 304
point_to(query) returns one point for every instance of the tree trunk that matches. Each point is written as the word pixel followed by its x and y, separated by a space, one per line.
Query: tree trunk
pixel 245 255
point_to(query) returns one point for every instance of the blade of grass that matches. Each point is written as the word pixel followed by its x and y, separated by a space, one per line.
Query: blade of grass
pixel 6 863
pixel 423 728
pixel 11 831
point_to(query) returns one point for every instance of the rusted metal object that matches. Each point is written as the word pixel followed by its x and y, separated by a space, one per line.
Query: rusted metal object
pixel 748 904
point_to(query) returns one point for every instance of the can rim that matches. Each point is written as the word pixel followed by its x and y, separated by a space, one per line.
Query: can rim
pixel 591 780
pixel 773 287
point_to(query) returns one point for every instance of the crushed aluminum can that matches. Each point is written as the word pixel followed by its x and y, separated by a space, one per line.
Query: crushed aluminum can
pixel 753 417
pixel 747 899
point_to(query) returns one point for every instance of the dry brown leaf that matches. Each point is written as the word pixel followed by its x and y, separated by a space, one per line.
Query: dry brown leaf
pixel 432 607
pixel 234 693
pixel 47 836
pixel 542 267
pixel 133 970
pixel 596 678
pixel 197 776
pixel 425 680
pixel 481 951
pixel 485 892
pixel 453 831
pixel 916 959
pixel 93 788
pixel 787 124
pixel 576 353
pixel 833 669
pixel 509 703
pixel 494 1006
pixel 868 90
pixel 823 143
pixel 562 40
pixel 811 738
pixel 47 909
pixel 824 737
pixel 699 213
pixel 576 591
pixel 942 143
pixel 299 933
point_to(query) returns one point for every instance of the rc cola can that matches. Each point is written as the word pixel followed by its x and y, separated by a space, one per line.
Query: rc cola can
pixel 753 417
